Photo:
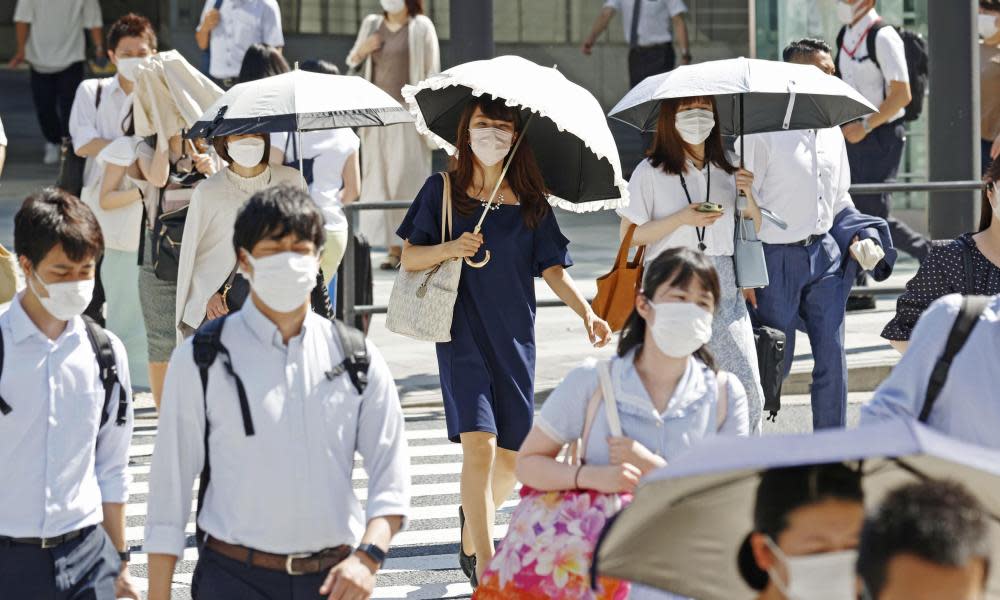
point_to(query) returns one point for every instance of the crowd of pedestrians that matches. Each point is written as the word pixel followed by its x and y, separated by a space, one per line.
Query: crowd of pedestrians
pixel 201 269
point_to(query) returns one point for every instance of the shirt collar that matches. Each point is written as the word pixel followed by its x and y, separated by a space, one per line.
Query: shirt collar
pixel 113 86
pixel 864 23
pixel 22 327
pixel 629 389
pixel 261 327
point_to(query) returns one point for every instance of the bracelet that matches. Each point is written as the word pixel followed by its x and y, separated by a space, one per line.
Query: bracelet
pixel 576 477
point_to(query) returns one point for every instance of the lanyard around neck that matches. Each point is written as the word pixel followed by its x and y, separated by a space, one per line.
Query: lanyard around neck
pixel 700 231
pixel 864 36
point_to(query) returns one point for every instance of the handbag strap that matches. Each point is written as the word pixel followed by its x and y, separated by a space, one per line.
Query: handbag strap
pixel 610 404
pixel 622 257
pixel 576 450
pixel 446 208
pixel 721 399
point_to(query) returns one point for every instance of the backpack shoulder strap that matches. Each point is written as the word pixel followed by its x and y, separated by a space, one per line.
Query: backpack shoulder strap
pixel 840 44
pixel 207 346
pixel 967 266
pixel 721 399
pixel 872 37
pixel 100 90
pixel 105 354
pixel 965 322
pixel 4 407
pixel 356 360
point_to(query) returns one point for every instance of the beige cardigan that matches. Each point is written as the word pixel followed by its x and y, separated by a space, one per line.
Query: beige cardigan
pixel 425 56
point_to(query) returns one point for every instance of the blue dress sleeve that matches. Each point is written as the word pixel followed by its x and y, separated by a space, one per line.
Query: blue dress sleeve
pixel 422 224
pixel 551 246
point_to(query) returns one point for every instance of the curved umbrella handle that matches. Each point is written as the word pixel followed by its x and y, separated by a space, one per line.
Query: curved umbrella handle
pixel 486 258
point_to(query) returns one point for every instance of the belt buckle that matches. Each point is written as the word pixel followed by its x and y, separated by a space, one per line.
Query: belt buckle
pixel 50 543
pixel 288 562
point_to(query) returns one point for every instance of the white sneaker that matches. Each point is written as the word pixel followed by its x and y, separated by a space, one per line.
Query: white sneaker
pixel 51 153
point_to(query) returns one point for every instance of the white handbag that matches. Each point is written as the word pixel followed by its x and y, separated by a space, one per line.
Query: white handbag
pixel 422 303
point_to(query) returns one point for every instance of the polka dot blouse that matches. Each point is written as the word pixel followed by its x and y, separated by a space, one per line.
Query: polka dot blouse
pixel 942 273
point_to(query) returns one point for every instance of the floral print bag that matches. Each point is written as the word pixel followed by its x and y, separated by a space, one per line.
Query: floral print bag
pixel 550 542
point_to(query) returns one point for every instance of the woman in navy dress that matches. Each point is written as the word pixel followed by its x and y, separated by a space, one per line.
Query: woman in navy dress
pixel 488 368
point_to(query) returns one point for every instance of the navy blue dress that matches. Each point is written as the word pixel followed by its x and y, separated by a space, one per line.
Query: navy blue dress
pixel 488 368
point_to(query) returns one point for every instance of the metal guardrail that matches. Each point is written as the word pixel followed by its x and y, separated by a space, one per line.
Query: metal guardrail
pixel 351 311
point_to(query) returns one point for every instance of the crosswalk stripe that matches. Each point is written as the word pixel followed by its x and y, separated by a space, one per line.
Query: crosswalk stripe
pixel 422 563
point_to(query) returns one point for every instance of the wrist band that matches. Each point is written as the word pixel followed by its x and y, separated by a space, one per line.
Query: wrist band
pixel 576 477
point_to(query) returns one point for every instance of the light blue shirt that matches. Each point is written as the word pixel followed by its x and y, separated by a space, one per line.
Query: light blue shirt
pixel 288 488
pixel 57 464
pixel 242 23
pixel 968 406
pixel 690 416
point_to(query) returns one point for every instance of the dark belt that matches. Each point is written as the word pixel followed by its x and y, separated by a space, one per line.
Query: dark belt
pixel 652 46
pixel 51 542
pixel 809 241
pixel 292 564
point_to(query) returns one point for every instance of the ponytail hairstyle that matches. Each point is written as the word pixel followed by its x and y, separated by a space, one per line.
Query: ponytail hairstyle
pixel 676 267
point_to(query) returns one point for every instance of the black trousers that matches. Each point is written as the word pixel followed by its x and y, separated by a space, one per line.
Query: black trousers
pixel 85 568
pixel 53 95
pixel 644 61
pixel 875 159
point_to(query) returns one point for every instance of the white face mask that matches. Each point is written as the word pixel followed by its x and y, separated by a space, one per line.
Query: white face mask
pixel 127 67
pixel 247 152
pixel 393 6
pixel 987 25
pixel 828 576
pixel 66 299
pixel 680 328
pixel 845 12
pixel 490 145
pixel 283 281
pixel 695 125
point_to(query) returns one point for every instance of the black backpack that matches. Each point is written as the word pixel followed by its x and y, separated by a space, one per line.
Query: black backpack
pixel 364 281
pixel 916 63
pixel 965 322
pixel 208 346
pixel 105 355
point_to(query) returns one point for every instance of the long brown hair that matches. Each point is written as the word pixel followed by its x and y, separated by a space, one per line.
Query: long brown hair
pixel 676 267
pixel 669 150
pixel 523 176
pixel 985 210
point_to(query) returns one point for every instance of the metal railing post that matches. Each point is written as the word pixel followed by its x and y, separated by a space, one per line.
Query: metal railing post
pixel 348 283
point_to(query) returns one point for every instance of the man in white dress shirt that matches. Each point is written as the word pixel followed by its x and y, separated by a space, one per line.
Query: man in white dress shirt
pixel 287 408
pixel 65 417
pixel 228 27
pixel 804 177
pixel 651 26
pixel 875 143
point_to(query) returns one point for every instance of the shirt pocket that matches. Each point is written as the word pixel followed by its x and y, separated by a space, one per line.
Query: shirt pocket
pixel 339 405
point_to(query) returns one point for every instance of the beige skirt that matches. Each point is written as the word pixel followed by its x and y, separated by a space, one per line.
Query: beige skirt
pixel 395 162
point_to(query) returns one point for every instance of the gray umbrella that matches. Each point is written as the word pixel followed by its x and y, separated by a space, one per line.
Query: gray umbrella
pixel 687 522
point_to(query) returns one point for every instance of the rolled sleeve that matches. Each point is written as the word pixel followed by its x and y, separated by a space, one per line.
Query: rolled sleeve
pixel 178 456
pixel 24 12
pixel 563 414
pixel 111 456
pixel 271 26
pixel 891 55
pixel 92 17
pixel 676 7
pixel 615 4
pixel 382 444
pixel 902 394
pixel 83 116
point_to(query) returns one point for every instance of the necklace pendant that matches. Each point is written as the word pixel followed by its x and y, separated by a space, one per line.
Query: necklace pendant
pixel 702 246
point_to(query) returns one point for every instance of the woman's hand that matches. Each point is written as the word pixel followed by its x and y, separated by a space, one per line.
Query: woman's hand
pixel 204 164
pixel 692 217
pixel 216 307
pixel 610 479
pixel 744 182
pixel 371 44
pixel 626 451
pixel 464 247
pixel 598 329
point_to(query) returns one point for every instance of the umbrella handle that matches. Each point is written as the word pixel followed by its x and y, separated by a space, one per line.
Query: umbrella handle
pixel 486 258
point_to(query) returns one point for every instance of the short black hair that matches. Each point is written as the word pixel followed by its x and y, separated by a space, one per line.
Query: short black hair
pixel 784 490
pixel 52 217
pixel 318 65
pixel 805 47
pixel 261 61
pixel 131 25
pixel 275 212
pixel 937 521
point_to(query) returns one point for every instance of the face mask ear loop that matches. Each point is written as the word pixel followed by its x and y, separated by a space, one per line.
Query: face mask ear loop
pixel 772 572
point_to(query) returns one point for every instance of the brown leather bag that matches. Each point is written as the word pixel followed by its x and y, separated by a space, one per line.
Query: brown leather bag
pixel 616 291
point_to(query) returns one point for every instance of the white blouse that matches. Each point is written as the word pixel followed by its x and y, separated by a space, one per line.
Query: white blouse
pixel 656 195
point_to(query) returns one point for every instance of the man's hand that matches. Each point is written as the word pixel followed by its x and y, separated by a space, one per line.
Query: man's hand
pixel 17 59
pixel 211 20
pixel 750 295
pixel 685 58
pixel 351 579
pixel 588 46
pixel 854 132
pixel 123 585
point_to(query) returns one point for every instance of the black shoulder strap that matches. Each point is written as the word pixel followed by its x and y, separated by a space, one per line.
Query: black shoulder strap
pixel 105 354
pixel 872 37
pixel 840 44
pixel 967 266
pixel 965 322
pixel 356 359
pixel 207 345
pixel 4 407
pixel 100 89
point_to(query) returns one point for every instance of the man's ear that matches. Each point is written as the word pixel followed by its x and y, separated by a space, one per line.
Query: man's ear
pixel 25 265
pixel 761 553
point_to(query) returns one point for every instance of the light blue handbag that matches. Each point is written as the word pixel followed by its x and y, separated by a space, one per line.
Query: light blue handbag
pixel 748 252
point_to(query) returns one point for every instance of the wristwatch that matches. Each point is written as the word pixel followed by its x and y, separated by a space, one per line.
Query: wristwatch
pixel 374 552
pixel 125 556
pixel 686 55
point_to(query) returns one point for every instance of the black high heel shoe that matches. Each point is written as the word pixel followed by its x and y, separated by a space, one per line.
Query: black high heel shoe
pixel 466 561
